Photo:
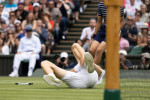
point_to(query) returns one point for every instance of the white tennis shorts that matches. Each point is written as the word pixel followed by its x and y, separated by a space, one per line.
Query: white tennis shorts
pixel 80 80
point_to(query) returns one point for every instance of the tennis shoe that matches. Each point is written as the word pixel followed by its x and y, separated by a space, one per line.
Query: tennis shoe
pixel 89 62
pixel 51 80
pixel 13 74
pixel 100 79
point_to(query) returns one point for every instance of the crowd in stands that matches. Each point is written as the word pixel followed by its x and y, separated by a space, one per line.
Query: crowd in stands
pixel 49 20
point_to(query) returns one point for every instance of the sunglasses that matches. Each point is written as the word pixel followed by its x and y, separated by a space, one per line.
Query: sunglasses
pixel 129 19
pixel 9 33
pixel 29 30
pixel 50 4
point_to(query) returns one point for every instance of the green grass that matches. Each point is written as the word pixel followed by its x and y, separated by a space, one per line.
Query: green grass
pixel 131 89
pixel 42 91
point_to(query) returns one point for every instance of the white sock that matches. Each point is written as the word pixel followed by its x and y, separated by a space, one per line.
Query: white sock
pixel 52 74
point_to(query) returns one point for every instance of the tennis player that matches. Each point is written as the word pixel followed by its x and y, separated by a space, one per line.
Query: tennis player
pixel 85 74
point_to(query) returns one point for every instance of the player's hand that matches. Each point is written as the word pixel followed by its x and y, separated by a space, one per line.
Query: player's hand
pixel 81 61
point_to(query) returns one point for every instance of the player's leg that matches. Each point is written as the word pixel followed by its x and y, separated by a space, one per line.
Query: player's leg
pixel 99 51
pixel 78 51
pixel 49 67
pixel 94 45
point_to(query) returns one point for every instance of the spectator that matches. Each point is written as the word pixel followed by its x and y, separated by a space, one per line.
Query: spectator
pixel 37 11
pixel 3 35
pixel 43 34
pixel 30 21
pixel 4 50
pixel 146 54
pixel 11 6
pixel 138 21
pixel 56 16
pixel 10 42
pixel 142 36
pixel 77 9
pixel 48 23
pixel 63 7
pixel 147 3
pixel 3 26
pixel 124 63
pixel 63 61
pixel 80 42
pixel 144 17
pixel 130 32
pixel 29 48
pixel 43 4
pixel 19 31
pixel 87 33
pixel 28 6
pixel 3 15
pixel 131 8
pixel 21 14
pixel 123 43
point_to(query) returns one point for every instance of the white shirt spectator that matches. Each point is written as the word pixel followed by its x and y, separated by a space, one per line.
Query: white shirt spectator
pixel 8 8
pixel 87 31
pixel 32 44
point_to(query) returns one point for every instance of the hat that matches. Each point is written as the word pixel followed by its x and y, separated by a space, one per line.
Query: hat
pixel 144 25
pixel 28 28
pixel 20 2
pixel 64 54
pixel 36 4
pixel 123 52
pixel 17 21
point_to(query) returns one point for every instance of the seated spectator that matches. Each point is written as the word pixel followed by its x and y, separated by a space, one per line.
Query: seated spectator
pixel 43 4
pixel 129 32
pixel 87 33
pixel 123 43
pixel 37 11
pixel 147 3
pixel 21 14
pixel 146 54
pixel 29 49
pixel 4 50
pixel 3 26
pixel 80 42
pixel 10 41
pixel 30 21
pixel 138 21
pixel 28 5
pixel 43 34
pixel 63 61
pixel 3 35
pixel 11 6
pixel 56 16
pixel 3 15
pixel 124 63
pixel 142 36
pixel 18 29
pixel 144 17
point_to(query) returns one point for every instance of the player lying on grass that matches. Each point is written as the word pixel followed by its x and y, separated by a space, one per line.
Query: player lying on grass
pixel 85 74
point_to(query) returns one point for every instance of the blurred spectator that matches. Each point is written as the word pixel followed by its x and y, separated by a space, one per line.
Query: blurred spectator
pixel 144 17
pixel 129 32
pixel 3 26
pixel 43 34
pixel 77 9
pixel 3 35
pixel 63 7
pixel 4 50
pixel 124 63
pixel 131 8
pixel 18 29
pixel 30 21
pixel 28 5
pixel 3 15
pixel 48 23
pixel 147 3
pixel 138 21
pixel 82 6
pixel 21 14
pixel 80 42
pixel 56 16
pixel 29 49
pixel 10 42
pixel 123 43
pixel 11 6
pixel 146 54
pixel 87 33
pixel 142 36
pixel 49 43
pixel 37 11
pixel 63 61
pixel 43 4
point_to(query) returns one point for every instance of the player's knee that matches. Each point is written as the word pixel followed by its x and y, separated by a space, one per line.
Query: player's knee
pixel 91 50
pixel 43 63
pixel 99 51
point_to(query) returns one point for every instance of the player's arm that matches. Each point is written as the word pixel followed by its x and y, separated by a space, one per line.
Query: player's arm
pixel 98 24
